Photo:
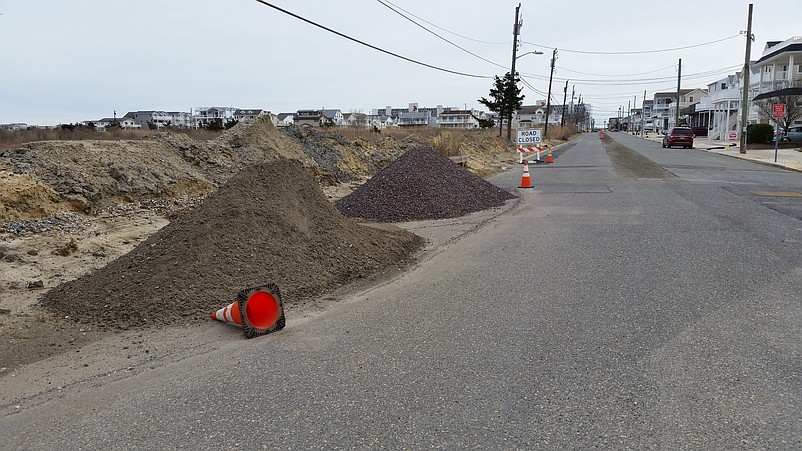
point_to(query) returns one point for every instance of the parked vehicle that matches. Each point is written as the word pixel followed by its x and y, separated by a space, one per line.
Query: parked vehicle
pixel 794 134
pixel 679 136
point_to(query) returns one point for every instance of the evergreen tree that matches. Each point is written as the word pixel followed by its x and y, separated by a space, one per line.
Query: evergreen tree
pixel 505 98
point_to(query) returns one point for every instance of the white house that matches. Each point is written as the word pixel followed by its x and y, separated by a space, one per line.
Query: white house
pixel 285 119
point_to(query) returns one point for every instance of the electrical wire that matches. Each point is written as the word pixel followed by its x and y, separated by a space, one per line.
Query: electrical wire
pixel 391 8
pixel 624 82
pixel 370 45
pixel 635 52
pixel 441 28
pixel 616 75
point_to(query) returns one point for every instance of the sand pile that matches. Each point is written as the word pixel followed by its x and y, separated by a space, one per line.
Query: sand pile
pixel 421 184
pixel 269 223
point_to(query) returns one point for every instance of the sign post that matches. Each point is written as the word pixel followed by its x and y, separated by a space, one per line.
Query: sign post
pixel 778 113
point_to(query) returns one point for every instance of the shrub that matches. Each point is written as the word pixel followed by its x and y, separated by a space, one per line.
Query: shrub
pixel 759 133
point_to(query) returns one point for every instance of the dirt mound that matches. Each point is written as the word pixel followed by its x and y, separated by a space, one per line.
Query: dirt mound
pixel 420 185
pixel 97 172
pixel 342 159
pixel 247 143
pixel 22 197
pixel 270 223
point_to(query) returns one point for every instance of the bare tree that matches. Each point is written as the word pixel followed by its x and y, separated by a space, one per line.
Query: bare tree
pixel 793 108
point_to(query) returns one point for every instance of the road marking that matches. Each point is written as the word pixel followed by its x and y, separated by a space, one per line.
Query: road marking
pixel 778 193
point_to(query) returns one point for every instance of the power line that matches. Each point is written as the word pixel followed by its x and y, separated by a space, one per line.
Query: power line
pixel 441 28
pixel 616 75
pixel 634 52
pixel 623 82
pixel 370 45
pixel 528 85
pixel 391 8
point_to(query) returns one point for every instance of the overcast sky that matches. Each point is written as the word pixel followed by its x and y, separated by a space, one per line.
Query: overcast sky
pixel 77 60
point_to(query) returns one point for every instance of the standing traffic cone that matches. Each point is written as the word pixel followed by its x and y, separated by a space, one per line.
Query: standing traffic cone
pixel 525 181
pixel 258 310
pixel 549 158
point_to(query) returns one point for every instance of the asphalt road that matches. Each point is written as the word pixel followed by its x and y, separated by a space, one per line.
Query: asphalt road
pixel 644 300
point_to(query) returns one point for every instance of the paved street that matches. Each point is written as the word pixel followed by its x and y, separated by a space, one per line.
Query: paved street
pixel 788 158
pixel 635 298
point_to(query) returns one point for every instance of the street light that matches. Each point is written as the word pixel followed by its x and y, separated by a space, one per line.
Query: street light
pixel 536 52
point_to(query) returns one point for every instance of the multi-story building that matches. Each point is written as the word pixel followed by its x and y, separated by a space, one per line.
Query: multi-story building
pixel 157 119
pixel 780 75
pixel 457 118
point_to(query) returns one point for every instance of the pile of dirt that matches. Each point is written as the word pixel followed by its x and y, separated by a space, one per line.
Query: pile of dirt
pixel 270 223
pixel 421 184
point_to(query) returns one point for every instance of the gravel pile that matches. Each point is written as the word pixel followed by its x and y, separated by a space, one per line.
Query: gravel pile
pixel 269 223
pixel 421 184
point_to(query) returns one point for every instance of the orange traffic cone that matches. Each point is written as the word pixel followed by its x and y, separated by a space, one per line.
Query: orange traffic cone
pixel 525 180
pixel 549 158
pixel 258 310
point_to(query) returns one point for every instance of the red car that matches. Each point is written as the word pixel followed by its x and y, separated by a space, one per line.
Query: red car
pixel 679 136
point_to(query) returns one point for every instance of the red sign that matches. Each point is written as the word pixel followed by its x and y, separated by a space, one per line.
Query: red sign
pixel 779 111
pixel 733 135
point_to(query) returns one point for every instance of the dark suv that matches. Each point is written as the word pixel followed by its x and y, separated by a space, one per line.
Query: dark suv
pixel 679 136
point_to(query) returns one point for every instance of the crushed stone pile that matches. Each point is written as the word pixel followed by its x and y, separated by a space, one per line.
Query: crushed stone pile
pixel 421 184
pixel 269 223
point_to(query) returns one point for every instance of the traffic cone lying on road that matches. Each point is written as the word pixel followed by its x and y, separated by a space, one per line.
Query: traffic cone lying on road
pixel 526 182
pixel 258 310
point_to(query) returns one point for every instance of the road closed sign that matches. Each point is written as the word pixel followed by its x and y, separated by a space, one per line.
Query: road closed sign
pixel 529 137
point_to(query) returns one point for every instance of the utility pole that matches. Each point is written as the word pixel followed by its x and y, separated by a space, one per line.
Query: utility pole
pixel 629 117
pixel 643 117
pixel 562 119
pixel 573 90
pixel 679 79
pixel 634 107
pixel 745 96
pixel 548 97
pixel 516 29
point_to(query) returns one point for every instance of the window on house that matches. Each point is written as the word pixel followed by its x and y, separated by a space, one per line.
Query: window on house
pixel 690 99
pixel 724 86
pixel 799 69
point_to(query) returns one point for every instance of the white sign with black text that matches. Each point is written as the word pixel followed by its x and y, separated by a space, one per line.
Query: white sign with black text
pixel 529 137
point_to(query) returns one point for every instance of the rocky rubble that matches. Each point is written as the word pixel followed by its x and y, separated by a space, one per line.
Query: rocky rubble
pixel 420 185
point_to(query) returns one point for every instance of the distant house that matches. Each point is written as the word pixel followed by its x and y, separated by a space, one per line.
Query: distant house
pixel 158 119
pixel 308 118
pixel 242 115
pixel 457 118
pixel 203 116
pixel 285 119
pixel 535 115
pixel 318 118
pixel 355 119
pixel 414 119
pixel 332 117
pixel 379 120
pixel 124 122
pixel 14 126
